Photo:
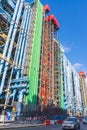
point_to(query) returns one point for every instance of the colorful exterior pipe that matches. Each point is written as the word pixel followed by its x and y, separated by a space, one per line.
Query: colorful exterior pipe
pixel 32 39
pixel 61 79
pixel 35 56
pixel 11 44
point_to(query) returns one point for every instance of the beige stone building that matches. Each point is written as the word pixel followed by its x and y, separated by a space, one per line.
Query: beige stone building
pixel 83 85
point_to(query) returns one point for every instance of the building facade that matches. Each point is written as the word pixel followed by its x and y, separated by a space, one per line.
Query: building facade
pixel 32 61
pixel 83 86
pixel 70 86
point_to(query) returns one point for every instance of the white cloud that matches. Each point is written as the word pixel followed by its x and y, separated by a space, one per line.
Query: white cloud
pixel 80 67
pixel 77 66
pixel 66 49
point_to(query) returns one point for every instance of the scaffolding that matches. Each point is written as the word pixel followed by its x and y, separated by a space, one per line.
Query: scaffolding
pixel 57 72
pixel 46 82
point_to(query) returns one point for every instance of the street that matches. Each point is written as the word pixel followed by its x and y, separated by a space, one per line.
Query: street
pixel 51 127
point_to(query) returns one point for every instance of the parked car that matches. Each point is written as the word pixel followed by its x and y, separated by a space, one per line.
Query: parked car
pixel 71 123
pixel 84 120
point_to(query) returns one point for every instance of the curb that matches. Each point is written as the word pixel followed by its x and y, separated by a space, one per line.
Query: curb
pixel 20 126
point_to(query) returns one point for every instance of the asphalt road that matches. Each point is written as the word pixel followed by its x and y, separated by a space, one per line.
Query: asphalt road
pixel 51 127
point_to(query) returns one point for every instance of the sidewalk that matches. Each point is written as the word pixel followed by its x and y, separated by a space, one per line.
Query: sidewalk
pixel 17 125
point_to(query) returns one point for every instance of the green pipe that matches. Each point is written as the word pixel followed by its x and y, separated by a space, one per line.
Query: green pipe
pixel 35 57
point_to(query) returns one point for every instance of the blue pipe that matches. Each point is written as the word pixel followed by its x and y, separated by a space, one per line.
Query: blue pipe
pixel 15 30
pixel 4 97
pixel 22 38
pixel 21 35
pixel 23 79
pixel 11 95
pixel 21 42
pixel 24 23
pixel 9 34
pixel 11 45
pixel 18 86
pixel 20 99
pixel 26 40
pixel 14 93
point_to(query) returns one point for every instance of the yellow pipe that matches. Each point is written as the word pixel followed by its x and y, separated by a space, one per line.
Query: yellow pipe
pixel 5 59
pixel 5 36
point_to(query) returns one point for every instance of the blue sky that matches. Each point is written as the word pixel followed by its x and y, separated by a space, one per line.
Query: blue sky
pixel 72 16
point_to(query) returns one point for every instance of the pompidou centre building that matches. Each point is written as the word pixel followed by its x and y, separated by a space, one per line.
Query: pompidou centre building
pixel 33 66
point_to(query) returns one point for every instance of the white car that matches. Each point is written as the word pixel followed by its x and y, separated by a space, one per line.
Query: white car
pixel 84 120
pixel 71 123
